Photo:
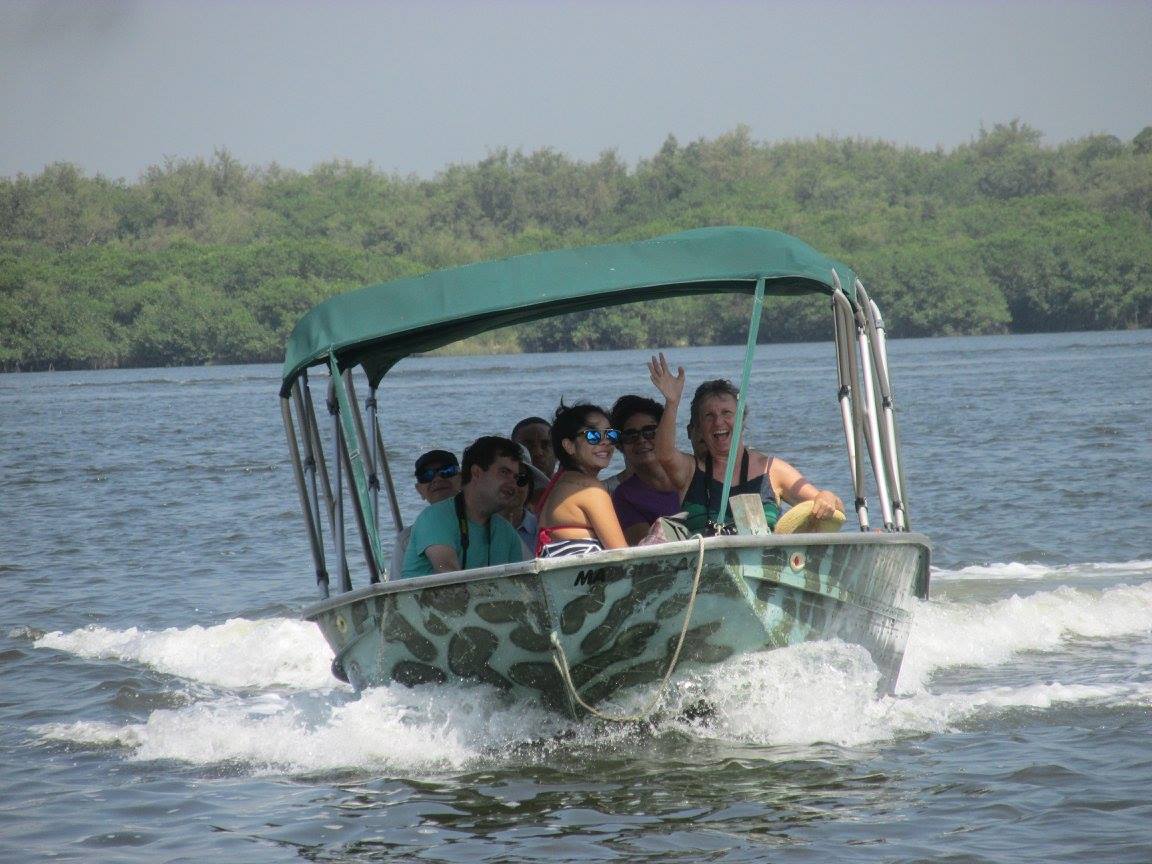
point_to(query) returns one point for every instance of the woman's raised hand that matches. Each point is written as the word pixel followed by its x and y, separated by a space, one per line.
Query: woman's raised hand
pixel 671 386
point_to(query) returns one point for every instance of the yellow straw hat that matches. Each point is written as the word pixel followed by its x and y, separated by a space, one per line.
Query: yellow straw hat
pixel 799 520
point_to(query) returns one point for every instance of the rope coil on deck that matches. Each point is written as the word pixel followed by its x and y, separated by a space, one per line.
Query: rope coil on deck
pixel 560 659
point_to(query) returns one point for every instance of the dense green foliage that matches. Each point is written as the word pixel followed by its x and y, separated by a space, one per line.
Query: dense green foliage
pixel 212 261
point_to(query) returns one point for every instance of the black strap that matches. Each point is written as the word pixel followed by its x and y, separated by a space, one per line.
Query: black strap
pixel 462 518
pixel 708 481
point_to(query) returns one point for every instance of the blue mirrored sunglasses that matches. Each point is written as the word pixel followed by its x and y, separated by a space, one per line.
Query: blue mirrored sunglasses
pixel 595 436
pixel 430 474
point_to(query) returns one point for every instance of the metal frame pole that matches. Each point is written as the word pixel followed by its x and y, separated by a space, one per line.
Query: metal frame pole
pixel 397 520
pixel 366 452
pixel 307 421
pixel 318 452
pixel 376 453
pixel 314 540
pixel 338 446
pixel 843 374
pixel 887 415
pixel 745 378
pixel 875 448
pixel 362 519
pixel 846 350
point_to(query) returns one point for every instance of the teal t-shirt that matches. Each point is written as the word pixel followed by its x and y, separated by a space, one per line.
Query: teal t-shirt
pixel 437 526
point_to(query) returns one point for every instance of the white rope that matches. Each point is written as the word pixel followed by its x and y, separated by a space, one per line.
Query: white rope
pixel 560 659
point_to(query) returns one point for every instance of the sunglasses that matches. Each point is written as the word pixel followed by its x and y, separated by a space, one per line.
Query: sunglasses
pixel 430 474
pixel 631 436
pixel 595 436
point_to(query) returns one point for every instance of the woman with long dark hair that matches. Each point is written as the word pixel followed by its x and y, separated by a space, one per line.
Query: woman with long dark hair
pixel 575 510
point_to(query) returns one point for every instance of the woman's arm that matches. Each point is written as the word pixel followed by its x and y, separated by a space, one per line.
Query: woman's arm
pixel 678 466
pixel 596 505
pixel 789 484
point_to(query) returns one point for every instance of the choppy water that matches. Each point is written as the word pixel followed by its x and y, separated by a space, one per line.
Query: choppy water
pixel 161 701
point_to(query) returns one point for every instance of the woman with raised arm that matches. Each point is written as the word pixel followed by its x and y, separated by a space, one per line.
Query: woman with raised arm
pixel 700 478
pixel 576 512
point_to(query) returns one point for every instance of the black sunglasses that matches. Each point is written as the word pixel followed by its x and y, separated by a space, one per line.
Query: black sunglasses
pixel 429 474
pixel 595 436
pixel 631 436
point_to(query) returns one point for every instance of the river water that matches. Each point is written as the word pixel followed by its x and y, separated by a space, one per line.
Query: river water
pixel 160 700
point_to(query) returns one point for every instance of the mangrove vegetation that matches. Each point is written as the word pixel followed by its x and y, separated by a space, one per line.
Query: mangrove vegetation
pixel 212 261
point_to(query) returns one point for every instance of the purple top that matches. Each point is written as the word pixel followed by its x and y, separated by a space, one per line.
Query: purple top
pixel 636 502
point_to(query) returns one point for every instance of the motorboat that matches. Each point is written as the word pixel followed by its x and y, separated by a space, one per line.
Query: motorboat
pixel 572 633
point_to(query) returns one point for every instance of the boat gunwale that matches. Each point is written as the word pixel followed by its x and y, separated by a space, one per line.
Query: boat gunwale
pixel 608 557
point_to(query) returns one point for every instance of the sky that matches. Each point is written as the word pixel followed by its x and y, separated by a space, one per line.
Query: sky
pixel 412 87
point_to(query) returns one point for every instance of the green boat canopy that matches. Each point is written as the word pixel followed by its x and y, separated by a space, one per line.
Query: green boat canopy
pixel 379 325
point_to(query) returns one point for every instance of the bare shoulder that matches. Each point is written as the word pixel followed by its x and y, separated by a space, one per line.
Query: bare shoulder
pixel 580 486
pixel 578 482
pixel 759 463
pixel 781 471
pixel 594 490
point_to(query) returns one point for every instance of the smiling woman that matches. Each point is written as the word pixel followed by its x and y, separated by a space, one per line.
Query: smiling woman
pixel 576 512
pixel 700 477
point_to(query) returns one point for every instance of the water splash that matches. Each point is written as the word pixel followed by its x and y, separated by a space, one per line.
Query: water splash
pixel 1015 570
pixel 238 653
pixel 280 710
pixel 949 633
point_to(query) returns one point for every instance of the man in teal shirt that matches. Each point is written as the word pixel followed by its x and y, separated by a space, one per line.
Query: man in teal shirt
pixel 465 531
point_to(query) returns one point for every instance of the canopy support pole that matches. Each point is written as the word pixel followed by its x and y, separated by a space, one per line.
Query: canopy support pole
pixel 887 416
pixel 374 456
pixel 358 479
pixel 366 452
pixel 314 540
pixel 397 520
pixel 745 377
pixel 848 395
pixel 872 429
pixel 307 423
pixel 318 453
pixel 338 445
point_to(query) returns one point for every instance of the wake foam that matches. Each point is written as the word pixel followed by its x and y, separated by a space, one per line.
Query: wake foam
pixel 238 653
pixel 423 729
pixel 282 711
pixel 1017 570
pixel 812 694
pixel 949 633
pixel 824 693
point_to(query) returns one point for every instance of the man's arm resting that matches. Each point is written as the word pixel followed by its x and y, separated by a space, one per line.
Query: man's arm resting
pixel 442 558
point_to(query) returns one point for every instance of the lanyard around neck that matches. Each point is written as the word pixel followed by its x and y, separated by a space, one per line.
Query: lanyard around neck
pixel 462 518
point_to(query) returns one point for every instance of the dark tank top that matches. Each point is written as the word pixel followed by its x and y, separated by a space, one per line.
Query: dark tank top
pixel 702 500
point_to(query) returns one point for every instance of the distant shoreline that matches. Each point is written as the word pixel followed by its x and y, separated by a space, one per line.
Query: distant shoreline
pixel 212 261
pixel 454 351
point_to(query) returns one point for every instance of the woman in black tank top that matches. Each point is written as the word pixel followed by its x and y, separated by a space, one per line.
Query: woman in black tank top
pixel 700 476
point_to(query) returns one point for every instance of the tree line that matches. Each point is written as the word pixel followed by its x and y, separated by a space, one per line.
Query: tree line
pixel 212 261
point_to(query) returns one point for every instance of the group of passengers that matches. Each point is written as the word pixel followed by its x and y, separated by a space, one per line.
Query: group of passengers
pixel 508 500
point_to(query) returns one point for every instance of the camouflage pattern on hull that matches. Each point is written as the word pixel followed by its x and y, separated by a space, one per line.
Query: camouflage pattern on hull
pixel 619 614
